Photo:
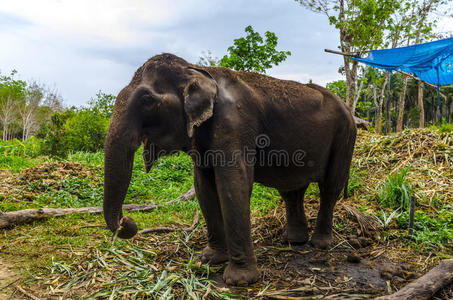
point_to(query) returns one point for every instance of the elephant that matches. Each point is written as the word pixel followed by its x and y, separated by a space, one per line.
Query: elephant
pixel 280 133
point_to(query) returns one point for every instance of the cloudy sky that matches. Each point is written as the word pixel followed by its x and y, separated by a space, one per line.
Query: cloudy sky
pixel 80 47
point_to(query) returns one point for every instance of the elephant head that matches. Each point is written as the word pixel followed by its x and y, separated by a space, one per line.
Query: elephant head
pixel 161 107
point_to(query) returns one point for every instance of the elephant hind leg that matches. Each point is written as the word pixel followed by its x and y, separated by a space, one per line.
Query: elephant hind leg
pixel 296 231
pixel 330 188
pixel 322 236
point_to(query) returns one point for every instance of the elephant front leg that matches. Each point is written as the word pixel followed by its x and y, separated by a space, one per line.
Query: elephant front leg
pixel 234 186
pixel 216 250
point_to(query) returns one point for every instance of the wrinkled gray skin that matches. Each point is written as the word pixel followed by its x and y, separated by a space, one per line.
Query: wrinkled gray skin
pixel 173 105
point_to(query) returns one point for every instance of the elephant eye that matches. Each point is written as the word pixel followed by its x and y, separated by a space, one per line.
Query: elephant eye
pixel 147 98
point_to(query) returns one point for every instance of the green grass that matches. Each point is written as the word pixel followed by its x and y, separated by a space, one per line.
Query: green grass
pixel 396 191
pixel 430 230
pixel 16 155
pixel 17 163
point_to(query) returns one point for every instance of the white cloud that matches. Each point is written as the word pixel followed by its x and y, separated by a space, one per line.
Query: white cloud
pixel 83 46
pixel 113 20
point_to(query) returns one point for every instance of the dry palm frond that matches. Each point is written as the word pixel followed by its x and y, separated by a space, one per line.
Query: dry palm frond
pixel 368 224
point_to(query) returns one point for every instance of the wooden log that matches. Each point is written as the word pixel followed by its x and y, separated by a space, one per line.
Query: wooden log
pixel 361 123
pixel 10 219
pixel 427 285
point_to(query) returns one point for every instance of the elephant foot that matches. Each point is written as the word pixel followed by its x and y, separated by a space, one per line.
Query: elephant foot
pixel 321 241
pixel 295 236
pixel 241 275
pixel 214 256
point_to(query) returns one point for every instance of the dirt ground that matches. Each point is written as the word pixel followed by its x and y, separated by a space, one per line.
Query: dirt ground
pixel 357 266
pixel 7 278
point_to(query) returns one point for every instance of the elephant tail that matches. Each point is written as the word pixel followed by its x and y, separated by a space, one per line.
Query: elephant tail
pixel 345 191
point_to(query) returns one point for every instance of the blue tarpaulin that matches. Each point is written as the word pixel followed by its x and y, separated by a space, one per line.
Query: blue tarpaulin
pixel 431 62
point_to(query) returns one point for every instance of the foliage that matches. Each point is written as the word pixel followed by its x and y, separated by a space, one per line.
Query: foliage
pixel 253 53
pixel 82 258
pixel 396 191
pixel 102 104
pixel 15 147
pixel 12 91
pixel 361 25
pixel 430 230
pixel 385 220
pixel 86 130
pixel 444 127
pixel 338 88
pixel 72 131
pixel 82 129
pixel 16 155
pixel 54 134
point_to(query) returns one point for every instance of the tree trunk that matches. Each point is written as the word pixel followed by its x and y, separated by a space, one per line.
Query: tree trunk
pixel 388 117
pixel 349 82
pixel 13 218
pixel 378 119
pixel 378 105
pixel 449 110
pixel 399 122
pixel 357 95
pixel 427 285
pixel 420 104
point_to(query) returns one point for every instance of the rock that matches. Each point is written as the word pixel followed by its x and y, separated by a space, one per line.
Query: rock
pixel 398 281
pixel 393 270
pixel 386 275
pixel 364 242
pixel 354 242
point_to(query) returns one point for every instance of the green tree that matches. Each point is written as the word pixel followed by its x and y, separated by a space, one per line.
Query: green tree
pixel 361 25
pixel 253 53
pixel 103 104
pixel 12 92
pixel 412 24
pixel 337 87
pixel 28 108
pixel 86 130
pixel 53 134
pixel 81 129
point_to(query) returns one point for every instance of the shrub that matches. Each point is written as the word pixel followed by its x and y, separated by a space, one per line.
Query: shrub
pixel 15 147
pixel 86 130
pixel 396 191
pixel 444 127
pixel 74 130
pixel 430 230
pixel 53 134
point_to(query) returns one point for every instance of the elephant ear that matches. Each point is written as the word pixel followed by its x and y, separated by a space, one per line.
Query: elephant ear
pixel 199 96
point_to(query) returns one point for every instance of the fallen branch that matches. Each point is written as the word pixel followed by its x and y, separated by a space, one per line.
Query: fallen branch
pixel 13 218
pixel 170 229
pixel 28 294
pixel 427 285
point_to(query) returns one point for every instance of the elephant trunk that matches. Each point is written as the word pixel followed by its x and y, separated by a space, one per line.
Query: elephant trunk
pixel 120 147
